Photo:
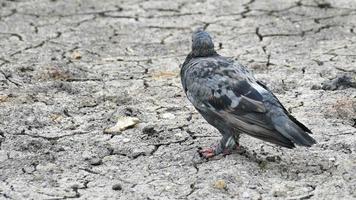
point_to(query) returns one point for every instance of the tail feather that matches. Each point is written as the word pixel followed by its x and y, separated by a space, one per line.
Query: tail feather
pixel 281 141
pixel 302 126
pixel 292 131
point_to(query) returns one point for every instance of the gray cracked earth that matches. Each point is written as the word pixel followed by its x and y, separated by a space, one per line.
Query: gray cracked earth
pixel 70 69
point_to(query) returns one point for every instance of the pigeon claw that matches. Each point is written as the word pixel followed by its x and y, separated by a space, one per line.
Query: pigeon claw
pixel 208 152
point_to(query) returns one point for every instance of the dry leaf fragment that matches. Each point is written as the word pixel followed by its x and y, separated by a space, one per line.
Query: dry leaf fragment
pixel 3 98
pixel 164 75
pixel 220 184
pixel 56 118
pixel 123 123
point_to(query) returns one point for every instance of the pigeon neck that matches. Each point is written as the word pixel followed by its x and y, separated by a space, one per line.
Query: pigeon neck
pixel 197 54
pixel 202 53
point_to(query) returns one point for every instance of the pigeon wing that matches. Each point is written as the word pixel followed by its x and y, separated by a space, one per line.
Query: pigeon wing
pixel 302 126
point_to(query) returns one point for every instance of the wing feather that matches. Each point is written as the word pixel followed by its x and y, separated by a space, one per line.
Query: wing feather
pixel 291 117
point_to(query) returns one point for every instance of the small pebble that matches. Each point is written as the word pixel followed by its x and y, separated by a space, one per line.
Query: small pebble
pixel 189 117
pixel 96 161
pixel 117 187
pixel 76 55
pixel 168 116
pixel 273 158
pixel 178 134
pixel 315 87
pixel 245 195
pixel 126 140
pixel 75 186
pixel 149 130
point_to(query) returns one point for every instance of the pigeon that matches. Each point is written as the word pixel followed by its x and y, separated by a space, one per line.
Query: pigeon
pixel 228 97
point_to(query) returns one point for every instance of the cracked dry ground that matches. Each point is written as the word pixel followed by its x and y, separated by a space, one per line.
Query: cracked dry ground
pixel 69 69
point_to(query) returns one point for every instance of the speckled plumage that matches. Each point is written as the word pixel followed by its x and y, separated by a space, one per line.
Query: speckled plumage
pixel 228 96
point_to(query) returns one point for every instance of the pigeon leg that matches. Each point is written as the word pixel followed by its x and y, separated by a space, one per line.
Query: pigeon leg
pixel 226 145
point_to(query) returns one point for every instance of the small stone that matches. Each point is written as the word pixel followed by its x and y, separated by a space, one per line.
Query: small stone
pixel 75 186
pixel 59 149
pixel 279 190
pixel 220 184
pixel 273 158
pixel 76 55
pixel 315 87
pixel 87 155
pixel 252 186
pixel 130 50
pixel 178 134
pixel 29 169
pixel 245 195
pixel 96 161
pixel 168 116
pixel 168 188
pixel 189 117
pixel 126 140
pixel 117 187
pixel 149 130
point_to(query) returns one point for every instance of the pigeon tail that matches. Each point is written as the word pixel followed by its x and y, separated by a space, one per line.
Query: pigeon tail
pixel 292 131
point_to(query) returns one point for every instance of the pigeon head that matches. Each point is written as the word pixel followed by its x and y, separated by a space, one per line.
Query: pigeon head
pixel 202 44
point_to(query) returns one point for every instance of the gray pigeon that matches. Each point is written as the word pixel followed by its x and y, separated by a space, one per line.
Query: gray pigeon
pixel 229 98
